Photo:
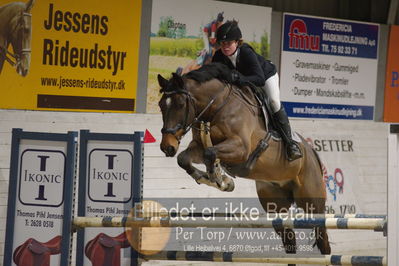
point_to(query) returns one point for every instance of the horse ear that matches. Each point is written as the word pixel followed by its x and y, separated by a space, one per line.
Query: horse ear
pixel 178 79
pixel 29 5
pixel 162 81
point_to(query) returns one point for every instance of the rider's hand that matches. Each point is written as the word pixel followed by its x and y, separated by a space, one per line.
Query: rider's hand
pixel 235 77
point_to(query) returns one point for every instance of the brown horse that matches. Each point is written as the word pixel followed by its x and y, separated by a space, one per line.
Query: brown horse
pixel 241 141
pixel 15 29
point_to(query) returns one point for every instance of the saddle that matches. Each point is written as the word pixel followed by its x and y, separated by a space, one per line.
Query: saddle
pixel 105 250
pixel 33 252
pixel 262 100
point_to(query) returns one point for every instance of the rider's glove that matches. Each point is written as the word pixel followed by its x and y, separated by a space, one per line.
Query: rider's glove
pixel 235 77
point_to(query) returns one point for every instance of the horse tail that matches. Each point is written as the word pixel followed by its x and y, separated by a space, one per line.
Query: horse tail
pixel 318 160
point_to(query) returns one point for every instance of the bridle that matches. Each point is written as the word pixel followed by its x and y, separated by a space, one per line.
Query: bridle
pixel 190 99
pixel 179 126
pixel 14 59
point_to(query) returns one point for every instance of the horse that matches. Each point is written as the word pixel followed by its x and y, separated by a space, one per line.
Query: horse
pixel 239 140
pixel 15 29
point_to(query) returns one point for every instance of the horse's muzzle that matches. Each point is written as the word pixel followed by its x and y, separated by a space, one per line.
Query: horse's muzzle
pixel 169 145
pixel 22 71
pixel 170 151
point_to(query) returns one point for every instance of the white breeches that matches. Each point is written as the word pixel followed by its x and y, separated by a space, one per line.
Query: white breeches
pixel 272 90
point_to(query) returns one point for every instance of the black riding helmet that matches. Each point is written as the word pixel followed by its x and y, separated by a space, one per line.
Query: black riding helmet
pixel 229 31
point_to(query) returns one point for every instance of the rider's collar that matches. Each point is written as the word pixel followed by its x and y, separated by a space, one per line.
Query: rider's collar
pixel 233 57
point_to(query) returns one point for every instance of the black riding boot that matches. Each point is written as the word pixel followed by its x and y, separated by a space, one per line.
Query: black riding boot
pixel 284 128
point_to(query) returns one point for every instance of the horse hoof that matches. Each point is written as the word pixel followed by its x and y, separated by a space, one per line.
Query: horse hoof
pixel 229 184
pixel 230 187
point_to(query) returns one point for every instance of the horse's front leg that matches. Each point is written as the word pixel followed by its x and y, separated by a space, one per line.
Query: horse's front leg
pixel 194 154
pixel 230 151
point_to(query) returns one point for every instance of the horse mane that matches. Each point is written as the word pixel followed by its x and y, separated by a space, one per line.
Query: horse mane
pixel 205 73
pixel 210 71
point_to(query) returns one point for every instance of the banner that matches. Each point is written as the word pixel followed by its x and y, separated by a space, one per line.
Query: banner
pixel 40 198
pixel 70 55
pixel 329 67
pixel 110 184
pixel 339 154
pixel 183 36
pixel 391 109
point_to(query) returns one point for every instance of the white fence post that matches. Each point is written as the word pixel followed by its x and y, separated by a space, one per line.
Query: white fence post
pixel 393 199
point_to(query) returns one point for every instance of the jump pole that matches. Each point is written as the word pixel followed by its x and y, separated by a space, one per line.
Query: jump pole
pixel 376 224
pixel 287 259
pixel 266 215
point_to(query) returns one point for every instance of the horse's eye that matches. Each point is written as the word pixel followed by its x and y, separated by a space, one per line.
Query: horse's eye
pixel 161 105
pixel 180 101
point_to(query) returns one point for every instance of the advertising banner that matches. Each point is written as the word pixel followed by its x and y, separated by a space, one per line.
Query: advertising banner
pixel 329 67
pixel 39 214
pixel 69 55
pixel 109 185
pixel 183 36
pixel 391 103
pixel 340 171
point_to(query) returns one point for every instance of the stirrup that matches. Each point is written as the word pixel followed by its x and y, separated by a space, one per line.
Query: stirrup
pixel 293 153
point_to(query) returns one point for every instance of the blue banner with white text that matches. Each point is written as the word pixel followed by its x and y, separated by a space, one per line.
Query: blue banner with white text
pixel 312 110
pixel 331 37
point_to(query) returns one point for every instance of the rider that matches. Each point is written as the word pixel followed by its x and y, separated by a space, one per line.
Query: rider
pixel 250 67
pixel 209 35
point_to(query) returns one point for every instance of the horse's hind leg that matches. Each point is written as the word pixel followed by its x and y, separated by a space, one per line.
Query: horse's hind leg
pixel 322 240
pixel 311 194
pixel 277 200
pixel 311 198
pixel 321 232
pixel 316 206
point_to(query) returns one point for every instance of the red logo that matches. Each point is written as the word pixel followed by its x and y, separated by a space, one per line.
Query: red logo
pixel 300 39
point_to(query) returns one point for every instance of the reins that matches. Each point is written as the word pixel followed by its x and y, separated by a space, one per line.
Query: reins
pixel 8 56
pixel 197 119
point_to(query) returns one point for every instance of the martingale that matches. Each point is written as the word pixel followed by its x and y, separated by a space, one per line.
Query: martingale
pixel 65 55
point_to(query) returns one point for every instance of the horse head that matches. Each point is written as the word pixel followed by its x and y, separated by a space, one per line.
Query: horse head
pixel 20 35
pixel 176 108
pixel 188 99
pixel 23 38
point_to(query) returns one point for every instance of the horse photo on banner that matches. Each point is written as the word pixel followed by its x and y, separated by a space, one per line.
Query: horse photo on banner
pixel 69 55
pixel 183 36
pixel 16 31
